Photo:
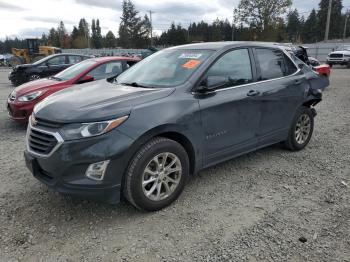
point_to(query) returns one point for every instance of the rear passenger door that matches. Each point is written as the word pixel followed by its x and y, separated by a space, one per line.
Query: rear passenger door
pixel 281 88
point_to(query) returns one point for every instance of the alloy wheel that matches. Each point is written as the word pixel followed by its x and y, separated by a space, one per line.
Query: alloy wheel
pixel 34 77
pixel 161 176
pixel 302 129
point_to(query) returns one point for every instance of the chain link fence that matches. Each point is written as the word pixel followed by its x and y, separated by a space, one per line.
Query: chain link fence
pixel 321 50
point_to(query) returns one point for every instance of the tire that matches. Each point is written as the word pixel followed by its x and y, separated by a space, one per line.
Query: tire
pixel 348 65
pixel 34 77
pixel 135 183
pixel 301 130
pixel 330 65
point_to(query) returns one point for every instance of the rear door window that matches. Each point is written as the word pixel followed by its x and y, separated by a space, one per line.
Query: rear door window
pixel 73 59
pixel 270 63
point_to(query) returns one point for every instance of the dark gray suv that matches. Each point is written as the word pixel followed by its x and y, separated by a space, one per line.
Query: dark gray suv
pixel 172 114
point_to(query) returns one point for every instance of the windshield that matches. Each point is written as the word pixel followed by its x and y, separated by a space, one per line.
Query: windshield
pixel 74 70
pixel 165 68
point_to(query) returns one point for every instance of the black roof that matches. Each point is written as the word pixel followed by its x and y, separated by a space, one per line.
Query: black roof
pixel 221 45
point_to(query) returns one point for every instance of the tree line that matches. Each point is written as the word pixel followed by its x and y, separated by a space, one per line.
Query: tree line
pixel 253 20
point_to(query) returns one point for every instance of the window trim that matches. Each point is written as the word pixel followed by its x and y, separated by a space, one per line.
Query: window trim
pixel 194 92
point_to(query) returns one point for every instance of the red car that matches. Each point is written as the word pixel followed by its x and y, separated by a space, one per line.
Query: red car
pixel 322 69
pixel 22 100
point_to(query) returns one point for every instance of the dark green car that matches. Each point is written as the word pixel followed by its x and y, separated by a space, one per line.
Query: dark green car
pixel 174 113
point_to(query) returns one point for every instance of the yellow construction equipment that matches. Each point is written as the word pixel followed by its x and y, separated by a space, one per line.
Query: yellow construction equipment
pixel 32 53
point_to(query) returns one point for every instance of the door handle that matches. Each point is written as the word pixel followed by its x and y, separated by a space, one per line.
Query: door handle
pixel 253 93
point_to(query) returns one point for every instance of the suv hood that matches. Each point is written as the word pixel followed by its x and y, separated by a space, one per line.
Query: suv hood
pixel 96 101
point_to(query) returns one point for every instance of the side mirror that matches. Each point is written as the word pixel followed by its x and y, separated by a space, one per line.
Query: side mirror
pixel 86 79
pixel 112 78
pixel 211 83
pixel 47 64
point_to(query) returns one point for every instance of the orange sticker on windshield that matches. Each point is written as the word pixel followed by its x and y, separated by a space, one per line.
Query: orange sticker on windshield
pixel 190 64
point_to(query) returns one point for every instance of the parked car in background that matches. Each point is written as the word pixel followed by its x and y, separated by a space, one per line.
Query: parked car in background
pixel 177 111
pixel 45 67
pixel 322 69
pixel 22 100
pixel 339 57
pixel 301 53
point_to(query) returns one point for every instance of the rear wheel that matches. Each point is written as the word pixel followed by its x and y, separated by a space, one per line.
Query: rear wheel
pixel 156 175
pixel 301 130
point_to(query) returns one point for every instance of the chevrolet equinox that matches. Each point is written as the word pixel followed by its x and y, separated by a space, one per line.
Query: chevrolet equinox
pixel 174 113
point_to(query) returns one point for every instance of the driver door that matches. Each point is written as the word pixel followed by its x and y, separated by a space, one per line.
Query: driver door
pixel 230 115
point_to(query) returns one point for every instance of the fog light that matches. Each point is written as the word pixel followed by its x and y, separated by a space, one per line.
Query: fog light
pixel 96 171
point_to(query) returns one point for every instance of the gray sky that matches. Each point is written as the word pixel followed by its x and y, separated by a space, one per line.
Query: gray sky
pixel 30 18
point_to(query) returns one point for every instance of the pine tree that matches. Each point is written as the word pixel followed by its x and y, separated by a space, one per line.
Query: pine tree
pixel 309 31
pixel 110 40
pixel 133 31
pixel 293 26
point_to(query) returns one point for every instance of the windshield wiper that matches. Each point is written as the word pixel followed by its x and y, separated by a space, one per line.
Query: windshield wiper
pixel 134 84
pixel 55 78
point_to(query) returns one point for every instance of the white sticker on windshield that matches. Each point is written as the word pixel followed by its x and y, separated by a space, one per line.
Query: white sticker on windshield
pixel 190 56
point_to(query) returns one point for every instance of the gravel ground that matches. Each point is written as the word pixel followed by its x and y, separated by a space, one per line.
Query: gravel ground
pixel 270 205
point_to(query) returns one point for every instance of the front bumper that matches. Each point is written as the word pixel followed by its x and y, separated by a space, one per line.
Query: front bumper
pixel 64 170
pixel 19 112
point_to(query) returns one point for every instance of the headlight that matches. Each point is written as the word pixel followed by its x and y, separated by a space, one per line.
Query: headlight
pixel 30 97
pixel 77 131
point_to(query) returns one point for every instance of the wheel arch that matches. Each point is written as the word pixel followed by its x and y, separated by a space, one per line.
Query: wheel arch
pixel 172 132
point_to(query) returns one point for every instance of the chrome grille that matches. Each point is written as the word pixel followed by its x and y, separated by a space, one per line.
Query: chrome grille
pixel 336 55
pixel 41 143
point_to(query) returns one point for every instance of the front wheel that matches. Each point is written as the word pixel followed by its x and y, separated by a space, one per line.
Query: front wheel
pixel 156 175
pixel 34 77
pixel 301 130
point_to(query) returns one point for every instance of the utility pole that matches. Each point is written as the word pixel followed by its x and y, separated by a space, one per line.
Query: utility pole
pixel 150 18
pixel 346 22
pixel 233 24
pixel 328 21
